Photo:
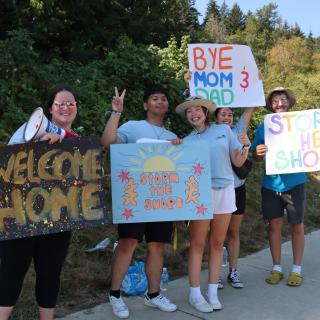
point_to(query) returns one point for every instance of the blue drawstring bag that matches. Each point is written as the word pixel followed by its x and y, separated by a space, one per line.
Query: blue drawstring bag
pixel 135 281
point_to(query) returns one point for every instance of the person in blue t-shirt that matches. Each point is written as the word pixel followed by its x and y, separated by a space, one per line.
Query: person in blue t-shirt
pixel 225 116
pixel 224 148
pixel 157 234
pixel 280 193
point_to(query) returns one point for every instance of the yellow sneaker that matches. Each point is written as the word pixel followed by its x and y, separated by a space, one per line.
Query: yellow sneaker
pixel 294 279
pixel 274 277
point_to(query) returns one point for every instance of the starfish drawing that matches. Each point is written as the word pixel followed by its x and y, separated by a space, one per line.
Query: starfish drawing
pixel 201 209
pixel 198 169
pixel 127 213
pixel 123 175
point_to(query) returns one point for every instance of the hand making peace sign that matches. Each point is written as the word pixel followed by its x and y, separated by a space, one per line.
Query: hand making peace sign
pixel 117 101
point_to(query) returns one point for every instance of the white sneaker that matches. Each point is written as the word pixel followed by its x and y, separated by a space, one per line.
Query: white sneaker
pixel 220 284
pixel 160 302
pixel 214 301
pixel 119 308
pixel 201 304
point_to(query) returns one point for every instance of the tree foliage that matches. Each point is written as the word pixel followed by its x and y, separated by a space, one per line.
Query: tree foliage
pixel 290 56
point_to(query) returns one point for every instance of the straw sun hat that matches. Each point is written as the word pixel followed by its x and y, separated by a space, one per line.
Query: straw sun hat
pixel 195 101
pixel 288 92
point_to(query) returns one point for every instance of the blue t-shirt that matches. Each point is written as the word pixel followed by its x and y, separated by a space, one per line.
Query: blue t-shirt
pixel 221 142
pixel 277 182
pixel 131 131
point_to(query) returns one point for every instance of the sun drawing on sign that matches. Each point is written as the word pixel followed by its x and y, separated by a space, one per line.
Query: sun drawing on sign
pixel 157 158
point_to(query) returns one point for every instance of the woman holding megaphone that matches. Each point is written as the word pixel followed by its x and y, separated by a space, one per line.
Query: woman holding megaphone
pixel 48 252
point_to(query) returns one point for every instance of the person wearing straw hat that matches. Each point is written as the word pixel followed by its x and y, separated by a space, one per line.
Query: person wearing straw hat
pixel 157 234
pixel 224 149
pixel 279 193
pixel 48 252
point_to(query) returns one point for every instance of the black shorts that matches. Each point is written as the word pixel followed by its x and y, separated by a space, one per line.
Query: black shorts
pixel 293 201
pixel 153 231
pixel 241 199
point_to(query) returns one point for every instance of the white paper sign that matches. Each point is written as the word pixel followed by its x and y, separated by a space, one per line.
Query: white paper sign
pixel 226 74
pixel 293 140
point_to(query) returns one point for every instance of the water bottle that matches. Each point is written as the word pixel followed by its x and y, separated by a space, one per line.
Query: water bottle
pixel 225 257
pixel 164 280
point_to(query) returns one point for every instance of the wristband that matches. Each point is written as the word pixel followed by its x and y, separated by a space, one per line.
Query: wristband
pixel 116 112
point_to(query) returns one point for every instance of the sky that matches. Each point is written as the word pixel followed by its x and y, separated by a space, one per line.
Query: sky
pixel 305 13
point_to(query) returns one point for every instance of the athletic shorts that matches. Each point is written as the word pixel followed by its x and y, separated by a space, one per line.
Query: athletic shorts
pixel 240 199
pixel 152 231
pixel 293 201
pixel 224 200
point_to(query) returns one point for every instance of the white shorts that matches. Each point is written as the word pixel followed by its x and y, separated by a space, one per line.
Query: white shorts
pixel 224 200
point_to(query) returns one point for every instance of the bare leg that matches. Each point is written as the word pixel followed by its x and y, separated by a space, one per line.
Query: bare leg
pixel 46 313
pixel 198 234
pixel 154 265
pixel 275 226
pixel 5 312
pixel 297 231
pixel 121 261
pixel 218 230
pixel 233 237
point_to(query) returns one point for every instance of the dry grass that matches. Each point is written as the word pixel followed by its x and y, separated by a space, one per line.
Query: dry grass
pixel 86 277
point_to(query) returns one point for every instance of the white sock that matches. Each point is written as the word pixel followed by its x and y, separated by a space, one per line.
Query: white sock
pixel 296 269
pixel 277 267
pixel 195 293
pixel 212 289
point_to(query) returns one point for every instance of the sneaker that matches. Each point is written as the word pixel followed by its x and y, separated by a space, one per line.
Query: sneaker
pixel 201 304
pixel 220 284
pixel 214 302
pixel 234 278
pixel 119 308
pixel 160 302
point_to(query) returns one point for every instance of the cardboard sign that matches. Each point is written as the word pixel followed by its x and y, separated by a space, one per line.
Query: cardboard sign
pixel 160 182
pixel 50 188
pixel 293 140
pixel 226 74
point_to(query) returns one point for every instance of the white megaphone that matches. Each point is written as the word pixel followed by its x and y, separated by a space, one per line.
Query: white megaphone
pixel 38 125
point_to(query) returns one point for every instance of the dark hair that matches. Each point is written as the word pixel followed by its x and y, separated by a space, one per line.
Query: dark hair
pixel 52 94
pixel 216 112
pixel 154 89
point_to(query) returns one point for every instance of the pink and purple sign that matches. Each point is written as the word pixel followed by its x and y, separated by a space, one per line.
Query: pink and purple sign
pixel 293 140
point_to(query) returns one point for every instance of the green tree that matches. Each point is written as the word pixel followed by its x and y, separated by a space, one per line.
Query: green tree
pixel 235 20
pixel 215 30
pixel 212 10
pixel 290 56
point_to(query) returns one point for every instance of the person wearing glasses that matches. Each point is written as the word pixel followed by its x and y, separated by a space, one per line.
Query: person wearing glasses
pixel 224 148
pixel 280 193
pixel 48 252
